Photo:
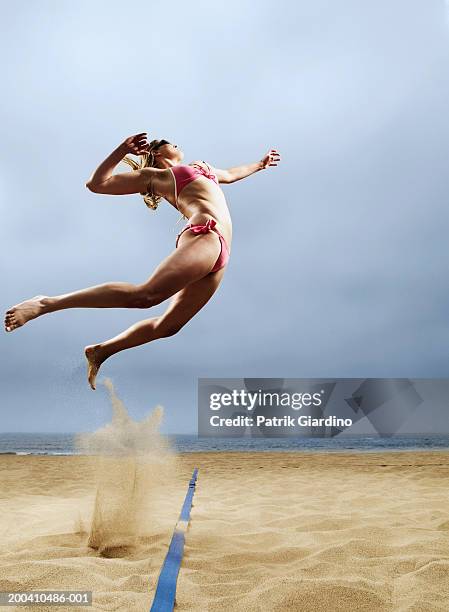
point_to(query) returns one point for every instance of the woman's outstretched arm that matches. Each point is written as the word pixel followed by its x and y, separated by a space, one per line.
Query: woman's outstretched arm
pixel 102 180
pixel 240 172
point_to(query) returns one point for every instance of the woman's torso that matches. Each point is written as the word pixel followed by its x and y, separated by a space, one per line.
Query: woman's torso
pixel 198 200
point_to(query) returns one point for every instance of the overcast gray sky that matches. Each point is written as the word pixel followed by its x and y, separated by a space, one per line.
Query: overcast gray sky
pixel 340 254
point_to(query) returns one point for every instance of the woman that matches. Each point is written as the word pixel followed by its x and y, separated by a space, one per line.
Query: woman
pixel 191 273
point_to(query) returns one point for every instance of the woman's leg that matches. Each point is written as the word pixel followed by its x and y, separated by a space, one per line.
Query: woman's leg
pixel 184 305
pixel 193 259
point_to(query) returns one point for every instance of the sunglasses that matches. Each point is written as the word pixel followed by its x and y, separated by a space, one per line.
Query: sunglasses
pixel 162 142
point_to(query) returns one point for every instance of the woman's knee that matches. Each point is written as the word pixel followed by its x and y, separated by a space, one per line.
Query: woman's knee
pixel 143 297
pixel 165 329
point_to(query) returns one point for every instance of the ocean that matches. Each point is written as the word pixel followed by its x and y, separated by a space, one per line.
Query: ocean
pixel 64 444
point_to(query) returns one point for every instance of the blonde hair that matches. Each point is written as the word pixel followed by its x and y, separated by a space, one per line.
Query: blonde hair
pixel 147 160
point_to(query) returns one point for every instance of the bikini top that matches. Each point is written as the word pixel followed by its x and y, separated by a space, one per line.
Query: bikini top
pixel 185 174
pixel 198 169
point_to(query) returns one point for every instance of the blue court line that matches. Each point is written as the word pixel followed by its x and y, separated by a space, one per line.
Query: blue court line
pixel 165 596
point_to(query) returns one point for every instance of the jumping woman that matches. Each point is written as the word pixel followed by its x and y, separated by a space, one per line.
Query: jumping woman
pixel 190 274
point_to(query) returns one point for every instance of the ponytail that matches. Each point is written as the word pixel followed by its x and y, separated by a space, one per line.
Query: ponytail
pixel 147 160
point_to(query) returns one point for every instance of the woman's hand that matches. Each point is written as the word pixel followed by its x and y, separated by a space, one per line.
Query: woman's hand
pixel 270 159
pixel 137 144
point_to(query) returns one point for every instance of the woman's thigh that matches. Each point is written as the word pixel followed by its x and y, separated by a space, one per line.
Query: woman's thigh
pixel 187 302
pixel 191 261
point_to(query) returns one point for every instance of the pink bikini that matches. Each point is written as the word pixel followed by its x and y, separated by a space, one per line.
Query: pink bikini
pixel 183 175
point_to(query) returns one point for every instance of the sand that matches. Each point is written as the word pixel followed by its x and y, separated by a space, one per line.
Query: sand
pixel 268 531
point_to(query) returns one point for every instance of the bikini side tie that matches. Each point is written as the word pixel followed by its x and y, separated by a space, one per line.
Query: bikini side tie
pixel 203 229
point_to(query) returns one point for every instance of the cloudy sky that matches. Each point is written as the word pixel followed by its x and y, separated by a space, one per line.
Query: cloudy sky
pixel 340 254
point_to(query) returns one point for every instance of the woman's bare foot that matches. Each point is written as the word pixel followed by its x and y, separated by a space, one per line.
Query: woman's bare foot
pixel 95 358
pixel 21 313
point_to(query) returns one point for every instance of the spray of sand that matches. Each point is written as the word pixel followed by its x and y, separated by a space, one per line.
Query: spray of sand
pixel 133 461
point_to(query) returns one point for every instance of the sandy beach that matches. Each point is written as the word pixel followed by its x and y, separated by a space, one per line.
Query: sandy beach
pixel 268 531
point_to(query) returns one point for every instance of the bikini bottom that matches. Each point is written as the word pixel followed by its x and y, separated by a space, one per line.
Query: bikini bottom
pixel 203 229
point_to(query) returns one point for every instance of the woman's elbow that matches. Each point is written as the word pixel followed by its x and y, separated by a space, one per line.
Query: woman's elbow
pixel 92 187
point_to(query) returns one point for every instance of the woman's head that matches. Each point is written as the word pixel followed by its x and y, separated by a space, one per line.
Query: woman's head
pixel 161 154
pixel 164 152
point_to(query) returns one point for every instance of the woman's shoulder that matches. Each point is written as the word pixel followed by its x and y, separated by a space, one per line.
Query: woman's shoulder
pixel 150 171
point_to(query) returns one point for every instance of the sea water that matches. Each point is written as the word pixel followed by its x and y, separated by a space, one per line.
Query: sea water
pixel 65 443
